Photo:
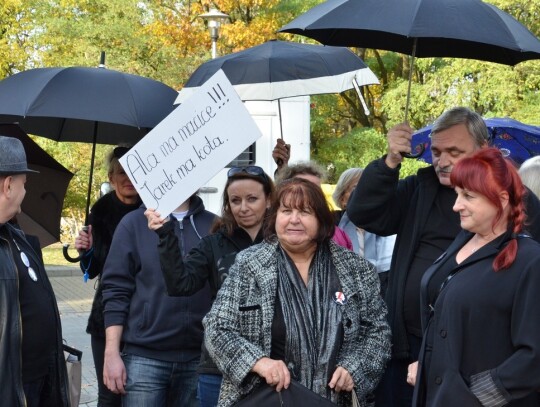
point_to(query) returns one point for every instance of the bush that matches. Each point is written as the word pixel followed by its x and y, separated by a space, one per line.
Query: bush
pixel 357 149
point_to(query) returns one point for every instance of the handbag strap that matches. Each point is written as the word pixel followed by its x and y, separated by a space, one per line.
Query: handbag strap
pixel 72 351
pixel 355 401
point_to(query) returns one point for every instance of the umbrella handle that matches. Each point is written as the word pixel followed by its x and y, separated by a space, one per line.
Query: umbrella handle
pixel 420 148
pixel 68 257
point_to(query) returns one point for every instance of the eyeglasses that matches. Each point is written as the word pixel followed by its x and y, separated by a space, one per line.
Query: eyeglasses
pixel 251 170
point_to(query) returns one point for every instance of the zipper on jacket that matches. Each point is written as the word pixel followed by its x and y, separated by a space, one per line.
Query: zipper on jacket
pixel 183 245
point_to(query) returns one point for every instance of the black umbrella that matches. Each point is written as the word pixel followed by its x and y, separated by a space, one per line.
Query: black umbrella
pixel 281 69
pixel 423 28
pixel 92 105
pixel 42 206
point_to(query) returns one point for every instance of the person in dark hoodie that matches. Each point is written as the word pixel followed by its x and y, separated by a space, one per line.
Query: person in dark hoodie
pixel 94 244
pixel 247 196
pixel 162 335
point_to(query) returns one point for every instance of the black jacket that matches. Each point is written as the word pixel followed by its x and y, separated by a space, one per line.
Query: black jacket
pixel 11 386
pixel 384 205
pixel 208 262
pixel 484 328
pixel 104 217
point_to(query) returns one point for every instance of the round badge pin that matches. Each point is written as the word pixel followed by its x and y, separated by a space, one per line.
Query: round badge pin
pixel 339 298
pixel 32 273
pixel 24 259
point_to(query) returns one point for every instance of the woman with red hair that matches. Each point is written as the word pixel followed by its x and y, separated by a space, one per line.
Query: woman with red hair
pixel 481 299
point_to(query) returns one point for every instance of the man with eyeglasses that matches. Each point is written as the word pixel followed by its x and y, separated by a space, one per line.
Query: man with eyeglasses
pixel 419 210
pixel 32 368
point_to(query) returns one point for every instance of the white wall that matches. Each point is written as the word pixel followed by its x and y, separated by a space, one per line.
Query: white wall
pixel 296 132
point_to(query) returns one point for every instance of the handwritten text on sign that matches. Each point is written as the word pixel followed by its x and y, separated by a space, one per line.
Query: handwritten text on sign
pixel 190 146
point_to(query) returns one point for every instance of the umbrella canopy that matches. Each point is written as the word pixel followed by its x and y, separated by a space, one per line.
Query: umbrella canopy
pixel 424 28
pixel 45 192
pixel 92 105
pixel 281 69
pixel 85 104
pixel 516 140
pixel 438 28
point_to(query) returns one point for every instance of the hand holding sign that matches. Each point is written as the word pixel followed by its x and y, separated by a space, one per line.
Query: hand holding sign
pixel 190 146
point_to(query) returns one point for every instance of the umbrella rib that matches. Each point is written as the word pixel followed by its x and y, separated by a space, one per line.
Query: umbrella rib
pixel 61 129
pixel 132 100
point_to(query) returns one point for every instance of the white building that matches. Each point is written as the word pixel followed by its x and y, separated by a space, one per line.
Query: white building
pixel 296 132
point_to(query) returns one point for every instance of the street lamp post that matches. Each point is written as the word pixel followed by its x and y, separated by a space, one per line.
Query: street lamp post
pixel 214 18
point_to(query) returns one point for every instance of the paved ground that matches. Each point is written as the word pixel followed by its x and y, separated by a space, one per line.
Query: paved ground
pixel 74 298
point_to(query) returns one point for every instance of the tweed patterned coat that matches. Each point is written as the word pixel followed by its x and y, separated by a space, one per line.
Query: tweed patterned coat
pixel 238 327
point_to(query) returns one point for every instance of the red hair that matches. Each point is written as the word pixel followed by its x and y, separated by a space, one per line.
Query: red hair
pixel 488 173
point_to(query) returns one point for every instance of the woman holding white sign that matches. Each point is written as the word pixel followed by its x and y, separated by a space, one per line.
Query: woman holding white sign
pixel 247 197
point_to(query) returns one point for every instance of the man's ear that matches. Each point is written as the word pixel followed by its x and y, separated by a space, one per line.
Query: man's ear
pixel 5 185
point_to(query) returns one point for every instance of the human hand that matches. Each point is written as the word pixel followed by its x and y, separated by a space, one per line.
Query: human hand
pixel 154 219
pixel 114 373
pixel 399 142
pixel 274 372
pixel 412 370
pixel 281 153
pixel 341 380
pixel 84 240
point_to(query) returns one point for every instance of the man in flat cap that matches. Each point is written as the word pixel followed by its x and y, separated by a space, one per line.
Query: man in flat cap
pixel 32 365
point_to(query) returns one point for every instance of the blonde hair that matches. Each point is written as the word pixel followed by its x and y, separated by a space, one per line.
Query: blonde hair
pixel 346 179
pixel 111 160
pixel 530 174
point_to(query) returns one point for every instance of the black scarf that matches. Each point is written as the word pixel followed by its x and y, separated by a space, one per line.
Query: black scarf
pixel 314 332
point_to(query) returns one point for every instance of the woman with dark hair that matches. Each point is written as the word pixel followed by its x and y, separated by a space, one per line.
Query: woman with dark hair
pixel 247 196
pixel 481 299
pixel 299 306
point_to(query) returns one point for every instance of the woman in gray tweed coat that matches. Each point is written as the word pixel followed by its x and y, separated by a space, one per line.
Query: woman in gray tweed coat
pixel 298 306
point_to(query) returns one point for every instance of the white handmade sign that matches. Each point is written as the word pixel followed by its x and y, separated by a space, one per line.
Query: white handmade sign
pixel 185 150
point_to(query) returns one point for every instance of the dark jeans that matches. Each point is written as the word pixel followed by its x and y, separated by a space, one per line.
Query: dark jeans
pixel 208 389
pixel 393 390
pixel 106 398
pixel 153 383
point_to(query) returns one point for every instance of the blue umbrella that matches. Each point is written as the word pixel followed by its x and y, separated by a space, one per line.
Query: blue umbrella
pixel 516 140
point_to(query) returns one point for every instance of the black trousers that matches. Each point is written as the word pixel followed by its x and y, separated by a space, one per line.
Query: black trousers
pixel 393 389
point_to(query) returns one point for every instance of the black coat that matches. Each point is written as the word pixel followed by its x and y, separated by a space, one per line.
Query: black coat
pixel 484 323
pixel 384 205
pixel 206 263
pixel 104 217
pixel 11 386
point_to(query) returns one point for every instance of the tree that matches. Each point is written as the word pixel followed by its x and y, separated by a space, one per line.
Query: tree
pixel 357 149
pixel 16 30
pixel 167 40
